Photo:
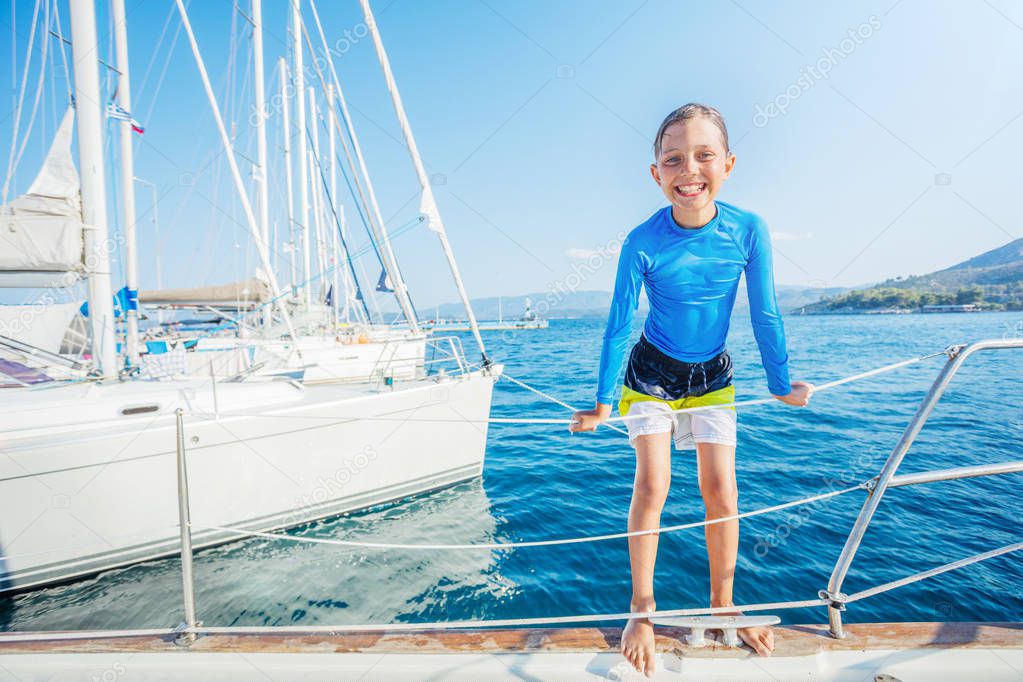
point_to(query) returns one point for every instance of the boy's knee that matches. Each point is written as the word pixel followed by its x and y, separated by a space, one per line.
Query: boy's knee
pixel 653 491
pixel 721 499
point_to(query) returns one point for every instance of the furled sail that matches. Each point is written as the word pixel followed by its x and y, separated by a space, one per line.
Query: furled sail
pixel 248 293
pixel 41 232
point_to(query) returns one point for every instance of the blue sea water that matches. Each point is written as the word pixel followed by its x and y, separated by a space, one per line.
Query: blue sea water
pixel 542 482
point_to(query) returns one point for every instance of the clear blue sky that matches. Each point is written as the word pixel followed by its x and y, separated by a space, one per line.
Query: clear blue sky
pixel 536 118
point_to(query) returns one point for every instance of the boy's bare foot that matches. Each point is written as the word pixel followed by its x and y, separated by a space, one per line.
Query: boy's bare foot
pixel 760 639
pixel 638 641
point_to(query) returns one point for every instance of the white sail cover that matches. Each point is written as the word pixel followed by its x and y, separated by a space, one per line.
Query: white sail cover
pixel 246 293
pixel 41 231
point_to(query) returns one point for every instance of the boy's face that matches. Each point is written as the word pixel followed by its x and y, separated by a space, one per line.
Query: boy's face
pixel 692 165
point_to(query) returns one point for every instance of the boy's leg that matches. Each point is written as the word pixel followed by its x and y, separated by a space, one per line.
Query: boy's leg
pixel 650 489
pixel 716 466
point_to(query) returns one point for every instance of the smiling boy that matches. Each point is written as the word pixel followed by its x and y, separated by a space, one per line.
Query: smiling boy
pixel 690 257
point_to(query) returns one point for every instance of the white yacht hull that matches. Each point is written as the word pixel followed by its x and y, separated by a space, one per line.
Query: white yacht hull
pixel 101 491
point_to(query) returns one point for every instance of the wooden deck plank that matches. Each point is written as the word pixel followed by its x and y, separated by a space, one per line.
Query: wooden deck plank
pixel 791 640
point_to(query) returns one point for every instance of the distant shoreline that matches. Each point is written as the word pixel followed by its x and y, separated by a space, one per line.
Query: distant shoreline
pixel 819 313
pixel 597 315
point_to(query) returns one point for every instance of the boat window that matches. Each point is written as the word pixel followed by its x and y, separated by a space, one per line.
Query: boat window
pixel 139 409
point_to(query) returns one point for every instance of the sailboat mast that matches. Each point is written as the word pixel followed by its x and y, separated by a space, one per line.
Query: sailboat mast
pixel 250 216
pixel 260 95
pixel 131 258
pixel 286 123
pixel 332 146
pixel 315 184
pixel 428 205
pixel 94 194
pixel 303 160
pixel 262 197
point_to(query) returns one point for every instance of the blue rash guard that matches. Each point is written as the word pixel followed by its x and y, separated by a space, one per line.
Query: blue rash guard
pixel 691 278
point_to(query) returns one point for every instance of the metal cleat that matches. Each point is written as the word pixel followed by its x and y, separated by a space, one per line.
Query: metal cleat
pixel 729 626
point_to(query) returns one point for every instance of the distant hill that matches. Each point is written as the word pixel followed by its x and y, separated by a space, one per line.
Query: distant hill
pixel 991 281
pixel 553 304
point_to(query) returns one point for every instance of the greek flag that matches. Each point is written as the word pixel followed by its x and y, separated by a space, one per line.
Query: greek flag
pixel 118 113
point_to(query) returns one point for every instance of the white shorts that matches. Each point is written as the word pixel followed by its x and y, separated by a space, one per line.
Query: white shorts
pixel 687 428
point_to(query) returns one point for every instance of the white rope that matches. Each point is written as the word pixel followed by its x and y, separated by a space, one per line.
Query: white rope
pixel 879 370
pixel 916 577
pixel 609 422
pixel 590 618
pixel 510 622
pixel 553 399
pixel 764 401
pixel 505 622
pixel 398 627
pixel 533 543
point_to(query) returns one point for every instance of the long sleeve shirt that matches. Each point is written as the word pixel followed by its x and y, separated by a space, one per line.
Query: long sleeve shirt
pixel 691 278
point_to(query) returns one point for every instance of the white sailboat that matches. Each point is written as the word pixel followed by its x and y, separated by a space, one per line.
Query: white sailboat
pixel 325 349
pixel 87 473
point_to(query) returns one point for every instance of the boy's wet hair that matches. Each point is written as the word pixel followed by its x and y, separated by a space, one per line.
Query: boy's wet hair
pixel 688 112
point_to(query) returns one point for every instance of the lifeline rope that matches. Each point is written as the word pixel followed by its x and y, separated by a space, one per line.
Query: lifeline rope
pixel 534 543
pixel 611 420
pixel 514 622
pixel 817 389
pixel 553 399
pixel 591 618
pixel 556 620
pixel 506 622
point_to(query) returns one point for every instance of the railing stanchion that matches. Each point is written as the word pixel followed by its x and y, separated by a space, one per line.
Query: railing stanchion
pixel 184 520
pixel 956 356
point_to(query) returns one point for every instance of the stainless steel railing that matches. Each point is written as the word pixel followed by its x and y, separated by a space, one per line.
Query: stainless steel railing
pixel 185 522
pixel 956 357
pixel 448 357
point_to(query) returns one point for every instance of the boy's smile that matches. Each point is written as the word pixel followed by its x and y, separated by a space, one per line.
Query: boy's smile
pixel 692 165
pixel 690 190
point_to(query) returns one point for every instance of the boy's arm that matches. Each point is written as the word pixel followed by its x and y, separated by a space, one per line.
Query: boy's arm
pixel 624 301
pixel 768 328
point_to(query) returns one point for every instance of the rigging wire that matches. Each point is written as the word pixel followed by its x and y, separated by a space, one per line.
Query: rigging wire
pixel 337 225
pixel 21 99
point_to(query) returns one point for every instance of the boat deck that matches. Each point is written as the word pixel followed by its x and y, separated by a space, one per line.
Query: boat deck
pixel 903 651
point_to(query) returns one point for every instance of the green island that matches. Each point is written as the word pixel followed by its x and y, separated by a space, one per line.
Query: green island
pixel 988 282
